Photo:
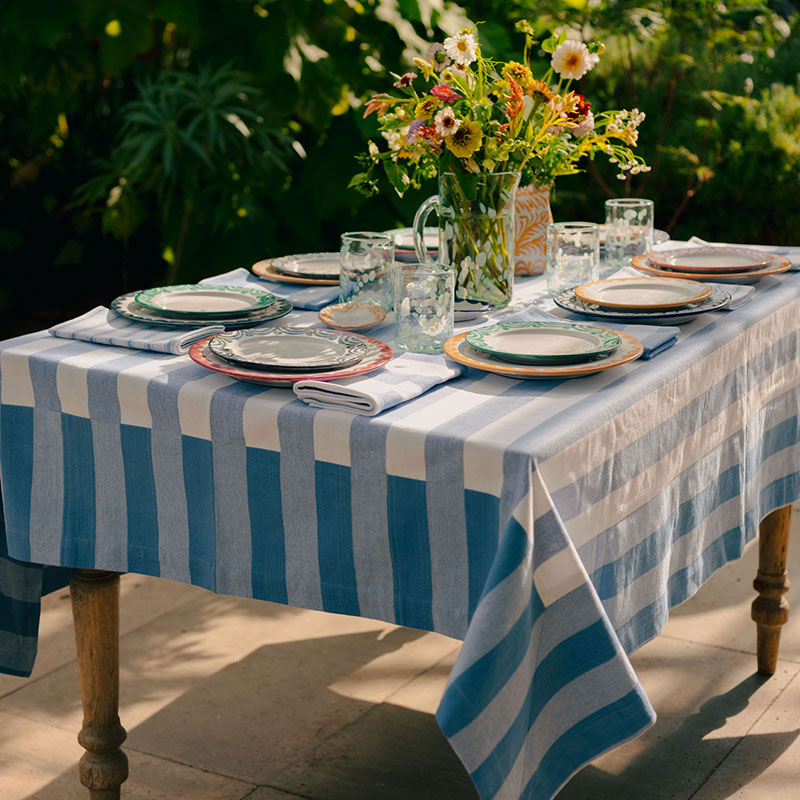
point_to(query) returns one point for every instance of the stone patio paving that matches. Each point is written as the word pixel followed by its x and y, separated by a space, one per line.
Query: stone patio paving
pixel 226 699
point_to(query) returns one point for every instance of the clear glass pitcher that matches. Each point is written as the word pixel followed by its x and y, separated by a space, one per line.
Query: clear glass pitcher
pixel 476 236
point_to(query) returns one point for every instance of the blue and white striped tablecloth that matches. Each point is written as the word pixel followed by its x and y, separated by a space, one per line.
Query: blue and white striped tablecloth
pixel 550 525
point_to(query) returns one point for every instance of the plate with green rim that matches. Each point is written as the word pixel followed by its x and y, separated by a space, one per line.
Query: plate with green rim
pixel 541 342
pixel 201 301
pixel 126 306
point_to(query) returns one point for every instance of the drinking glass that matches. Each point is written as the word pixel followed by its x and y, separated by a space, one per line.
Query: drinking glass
pixel 366 268
pixel 573 254
pixel 423 306
pixel 629 229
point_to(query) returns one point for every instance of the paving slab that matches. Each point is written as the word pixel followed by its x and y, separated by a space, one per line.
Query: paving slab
pixel 706 699
pixel 40 762
pixel 141 599
pixel 719 613
pixel 265 711
pixel 765 764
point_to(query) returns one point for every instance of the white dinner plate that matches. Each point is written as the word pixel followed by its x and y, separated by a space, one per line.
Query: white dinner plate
pixel 711 259
pixel 643 293
pixel 309 265
pixel 201 301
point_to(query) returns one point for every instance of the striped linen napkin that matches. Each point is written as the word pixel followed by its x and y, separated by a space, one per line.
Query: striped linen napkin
pixel 403 378
pixel 312 298
pixel 739 294
pixel 655 338
pixel 103 326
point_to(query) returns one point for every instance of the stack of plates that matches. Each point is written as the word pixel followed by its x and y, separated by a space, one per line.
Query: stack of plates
pixel 646 300
pixel 283 356
pixel 543 350
pixel 713 263
pixel 404 244
pixel 192 305
pixel 313 269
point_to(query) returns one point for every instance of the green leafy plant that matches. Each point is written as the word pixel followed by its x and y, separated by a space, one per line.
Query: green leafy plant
pixel 200 146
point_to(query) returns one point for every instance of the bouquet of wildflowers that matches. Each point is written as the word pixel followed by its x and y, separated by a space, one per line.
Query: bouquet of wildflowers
pixel 466 114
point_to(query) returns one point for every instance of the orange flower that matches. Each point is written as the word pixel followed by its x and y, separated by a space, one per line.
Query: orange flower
pixel 542 89
pixel 378 103
pixel 514 104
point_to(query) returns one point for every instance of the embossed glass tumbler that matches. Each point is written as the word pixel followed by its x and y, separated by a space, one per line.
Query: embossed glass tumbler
pixel 573 255
pixel 366 268
pixel 423 307
pixel 629 229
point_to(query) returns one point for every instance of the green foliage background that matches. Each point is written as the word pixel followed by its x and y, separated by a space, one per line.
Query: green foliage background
pixel 173 139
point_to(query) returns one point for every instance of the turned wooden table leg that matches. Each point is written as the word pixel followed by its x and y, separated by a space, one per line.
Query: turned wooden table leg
pixel 95 611
pixel 771 609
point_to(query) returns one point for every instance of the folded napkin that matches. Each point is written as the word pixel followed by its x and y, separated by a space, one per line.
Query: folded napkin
pixel 655 338
pixel 792 253
pixel 299 295
pixel 103 326
pixel 403 378
pixel 739 294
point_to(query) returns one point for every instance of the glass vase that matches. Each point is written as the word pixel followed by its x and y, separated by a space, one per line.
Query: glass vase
pixel 476 236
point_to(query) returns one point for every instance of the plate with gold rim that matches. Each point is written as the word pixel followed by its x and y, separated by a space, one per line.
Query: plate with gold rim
pixel 643 293
pixel 779 265
pixel 458 349
pixel 264 269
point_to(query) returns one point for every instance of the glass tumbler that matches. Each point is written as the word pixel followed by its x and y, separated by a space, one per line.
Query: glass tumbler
pixel 423 307
pixel 366 268
pixel 629 229
pixel 573 255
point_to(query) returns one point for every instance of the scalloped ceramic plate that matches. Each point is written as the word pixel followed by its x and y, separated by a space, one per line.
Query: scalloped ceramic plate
pixel 642 293
pixel 542 343
pixel 780 264
pixel 264 269
pixel 718 299
pixel 459 350
pixel 377 354
pixel 201 301
pixel 711 259
pixel 325 266
pixel 352 316
pixel 289 349
pixel 126 306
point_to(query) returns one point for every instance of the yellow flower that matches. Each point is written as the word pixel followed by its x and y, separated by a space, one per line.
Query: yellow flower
pixel 519 72
pixel 425 108
pixel 466 140
pixel 425 67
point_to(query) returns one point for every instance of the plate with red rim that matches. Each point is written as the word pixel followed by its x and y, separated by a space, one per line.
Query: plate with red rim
pixel 377 354
pixel 710 259
pixel 458 349
pixel 779 264
pixel 643 293
pixel 264 269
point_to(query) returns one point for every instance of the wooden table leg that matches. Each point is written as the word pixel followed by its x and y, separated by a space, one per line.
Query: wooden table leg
pixel 770 609
pixel 95 612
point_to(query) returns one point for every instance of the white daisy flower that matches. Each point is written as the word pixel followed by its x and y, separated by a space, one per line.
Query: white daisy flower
pixel 446 122
pixel 571 60
pixel 463 48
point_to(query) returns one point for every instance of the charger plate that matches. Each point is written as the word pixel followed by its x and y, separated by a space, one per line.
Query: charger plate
pixel 293 349
pixel 377 354
pixel 264 269
pixel 324 266
pixel 779 264
pixel 717 300
pixel 642 293
pixel 202 301
pixel 711 259
pixel 458 349
pixel 126 306
pixel 543 342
